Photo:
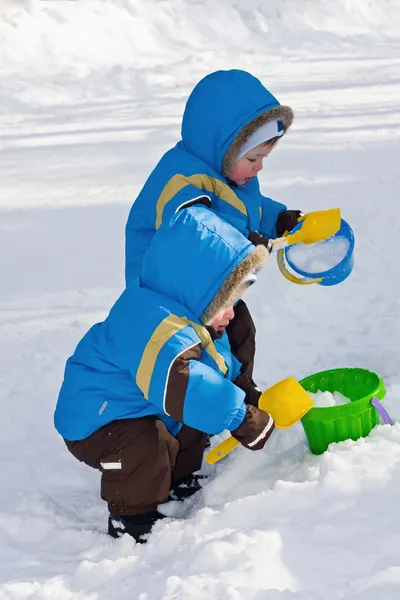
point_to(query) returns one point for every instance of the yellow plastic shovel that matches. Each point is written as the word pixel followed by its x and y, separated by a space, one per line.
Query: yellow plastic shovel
pixel 287 402
pixel 317 226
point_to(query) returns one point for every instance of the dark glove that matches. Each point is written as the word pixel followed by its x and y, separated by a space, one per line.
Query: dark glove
pixel 255 430
pixel 286 221
pixel 246 383
pixel 260 240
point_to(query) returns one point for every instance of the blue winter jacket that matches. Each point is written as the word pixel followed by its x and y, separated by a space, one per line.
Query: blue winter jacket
pixel 217 110
pixel 131 364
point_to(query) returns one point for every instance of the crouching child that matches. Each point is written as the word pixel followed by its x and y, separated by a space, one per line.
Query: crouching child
pixel 146 387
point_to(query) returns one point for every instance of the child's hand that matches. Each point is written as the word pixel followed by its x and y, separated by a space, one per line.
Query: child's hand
pixel 255 429
pixel 258 239
pixel 287 219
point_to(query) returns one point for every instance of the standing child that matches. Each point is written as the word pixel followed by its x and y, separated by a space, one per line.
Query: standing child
pixel 145 387
pixel 230 125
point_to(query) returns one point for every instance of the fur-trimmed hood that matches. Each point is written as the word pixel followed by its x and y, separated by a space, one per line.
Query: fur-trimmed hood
pixel 233 284
pixel 222 111
pixel 279 113
pixel 199 260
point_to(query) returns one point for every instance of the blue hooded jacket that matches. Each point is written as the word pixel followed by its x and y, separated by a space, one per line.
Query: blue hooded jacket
pixel 121 368
pixel 219 109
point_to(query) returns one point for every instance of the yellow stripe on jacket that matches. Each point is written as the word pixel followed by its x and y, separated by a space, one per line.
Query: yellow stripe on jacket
pixel 161 335
pixel 202 182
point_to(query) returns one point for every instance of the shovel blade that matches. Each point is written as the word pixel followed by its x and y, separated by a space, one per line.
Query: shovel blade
pixel 287 402
pixel 317 226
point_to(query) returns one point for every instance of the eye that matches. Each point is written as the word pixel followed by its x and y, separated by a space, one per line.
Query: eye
pixel 252 160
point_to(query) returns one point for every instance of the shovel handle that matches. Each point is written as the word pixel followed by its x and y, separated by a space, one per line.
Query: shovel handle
pixel 221 450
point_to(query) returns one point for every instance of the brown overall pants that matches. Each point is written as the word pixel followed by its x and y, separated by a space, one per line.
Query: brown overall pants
pixel 139 459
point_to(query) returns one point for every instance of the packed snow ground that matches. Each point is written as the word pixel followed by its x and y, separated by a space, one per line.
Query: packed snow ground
pixel 87 108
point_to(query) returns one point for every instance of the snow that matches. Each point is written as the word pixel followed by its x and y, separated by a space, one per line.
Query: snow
pixel 324 399
pixel 91 95
pixel 319 257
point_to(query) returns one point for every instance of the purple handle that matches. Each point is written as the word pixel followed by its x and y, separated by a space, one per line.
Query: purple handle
pixel 375 402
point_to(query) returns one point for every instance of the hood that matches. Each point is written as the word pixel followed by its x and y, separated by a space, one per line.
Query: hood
pixel 219 107
pixel 197 259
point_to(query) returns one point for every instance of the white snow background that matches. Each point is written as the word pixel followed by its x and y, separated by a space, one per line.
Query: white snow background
pixel 91 95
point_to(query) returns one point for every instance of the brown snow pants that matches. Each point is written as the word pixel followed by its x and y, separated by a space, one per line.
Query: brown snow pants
pixel 241 333
pixel 139 460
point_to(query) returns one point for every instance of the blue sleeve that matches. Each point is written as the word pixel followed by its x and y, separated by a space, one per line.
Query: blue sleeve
pixel 212 403
pixel 190 391
pixel 270 210
pixel 223 347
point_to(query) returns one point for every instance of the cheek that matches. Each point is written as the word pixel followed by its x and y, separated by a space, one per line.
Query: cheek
pixel 217 319
pixel 240 171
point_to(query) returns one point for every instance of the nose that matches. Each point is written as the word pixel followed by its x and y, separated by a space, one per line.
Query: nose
pixel 259 165
pixel 229 313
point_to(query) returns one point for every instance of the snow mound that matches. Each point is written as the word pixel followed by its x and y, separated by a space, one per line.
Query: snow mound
pixel 144 32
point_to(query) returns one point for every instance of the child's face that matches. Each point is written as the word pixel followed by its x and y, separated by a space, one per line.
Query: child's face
pixel 250 164
pixel 226 314
pixel 222 319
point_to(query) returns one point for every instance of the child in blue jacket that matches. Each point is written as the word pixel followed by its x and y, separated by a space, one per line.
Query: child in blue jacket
pixel 145 387
pixel 230 124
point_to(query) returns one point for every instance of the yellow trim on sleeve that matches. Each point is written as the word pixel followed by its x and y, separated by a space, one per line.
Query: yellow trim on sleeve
pixel 165 330
pixel 202 182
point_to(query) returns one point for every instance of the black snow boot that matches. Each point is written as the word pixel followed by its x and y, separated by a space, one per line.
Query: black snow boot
pixel 186 488
pixel 136 526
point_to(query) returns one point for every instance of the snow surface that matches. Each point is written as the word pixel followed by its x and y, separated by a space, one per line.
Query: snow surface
pixel 91 95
